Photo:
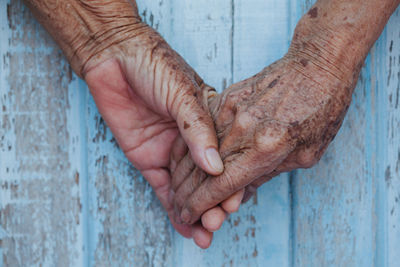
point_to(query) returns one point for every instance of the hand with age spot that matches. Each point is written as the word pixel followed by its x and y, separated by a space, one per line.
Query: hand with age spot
pixel 274 122
pixel 145 92
pixel 284 117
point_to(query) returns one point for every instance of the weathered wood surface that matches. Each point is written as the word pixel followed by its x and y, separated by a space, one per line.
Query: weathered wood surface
pixel 40 214
pixel 70 198
pixel 346 209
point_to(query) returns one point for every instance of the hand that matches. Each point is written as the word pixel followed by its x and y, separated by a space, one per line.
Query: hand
pixel 279 120
pixel 145 97
pixel 145 91
pixel 285 117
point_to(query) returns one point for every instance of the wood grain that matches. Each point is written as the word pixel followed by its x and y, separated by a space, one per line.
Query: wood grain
pixel 70 198
pixel 259 234
pixel 261 34
pixel 342 205
pixel 389 85
pixel 207 47
pixel 40 220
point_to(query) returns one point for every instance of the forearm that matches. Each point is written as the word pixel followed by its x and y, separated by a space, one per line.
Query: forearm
pixel 85 28
pixel 336 35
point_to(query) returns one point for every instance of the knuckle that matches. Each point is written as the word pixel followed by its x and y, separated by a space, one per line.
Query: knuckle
pixel 196 178
pixel 226 183
pixel 232 100
pixel 271 139
pixel 257 112
pixel 244 120
pixel 235 97
pixel 306 159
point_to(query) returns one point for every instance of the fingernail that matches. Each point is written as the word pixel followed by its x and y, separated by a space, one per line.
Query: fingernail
pixel 185 216
pixel 214 160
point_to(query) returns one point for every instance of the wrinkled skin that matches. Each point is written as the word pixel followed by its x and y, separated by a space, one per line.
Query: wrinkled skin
pixel 141 106
pixel 279 120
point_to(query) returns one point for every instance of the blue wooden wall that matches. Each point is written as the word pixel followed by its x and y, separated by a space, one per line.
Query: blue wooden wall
pixel 68 197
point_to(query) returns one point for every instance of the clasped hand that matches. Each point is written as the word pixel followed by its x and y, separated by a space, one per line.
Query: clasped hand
pixel 277 121
pixel 204 153
pixel 163 116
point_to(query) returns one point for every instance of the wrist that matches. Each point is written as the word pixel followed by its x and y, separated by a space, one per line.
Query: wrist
pixel 318 48
pixel 102 28
pixel 105 44
pixel 335 36
pixel 88 30
pixel 327 57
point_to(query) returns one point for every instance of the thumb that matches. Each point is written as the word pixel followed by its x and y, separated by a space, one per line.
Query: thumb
pixel 197 128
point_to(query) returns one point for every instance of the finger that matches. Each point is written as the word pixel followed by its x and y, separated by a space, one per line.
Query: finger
pixel 179 150
pixel 184 168
pixel 232 204
pixel 213 219
pixel 290 163
pixel 210 191
pixel 197 129
pixel 187 187
pixel 159 180
pixel 213 190
pixel 287 165
pixel 201 236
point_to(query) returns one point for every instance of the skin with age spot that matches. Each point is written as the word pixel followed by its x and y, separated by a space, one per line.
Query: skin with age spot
pixel 304 62
pixel 313 13
pixel 284 117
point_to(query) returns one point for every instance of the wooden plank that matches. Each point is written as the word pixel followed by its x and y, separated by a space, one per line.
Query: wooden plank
pixel 69 197
pixel 261 36
pixel 341 206
pixel 40 218
pixel 158 15
pixel 334 201
pixel 126 224
pixel 251 237
pixel 202 35
pixel 259 234
pixel 379 148
pixel 389 81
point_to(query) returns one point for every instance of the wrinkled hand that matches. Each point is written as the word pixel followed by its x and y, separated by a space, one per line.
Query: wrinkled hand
pixel 281 119
pixel 147 95
pixel 145 91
